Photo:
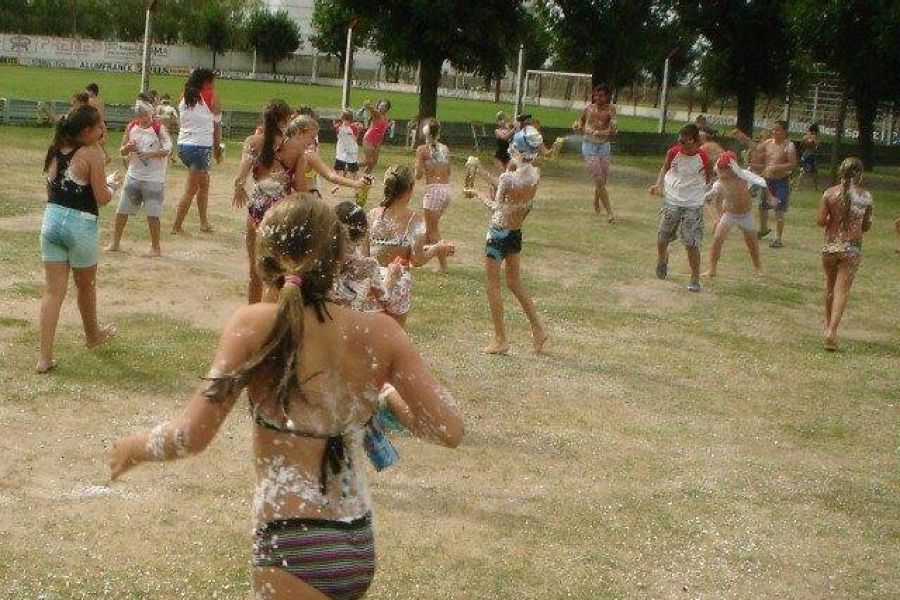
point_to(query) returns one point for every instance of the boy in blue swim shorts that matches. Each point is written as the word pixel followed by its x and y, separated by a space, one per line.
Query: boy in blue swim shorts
pixel 781 160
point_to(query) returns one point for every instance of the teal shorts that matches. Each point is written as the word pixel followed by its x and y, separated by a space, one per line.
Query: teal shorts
pixel 69 236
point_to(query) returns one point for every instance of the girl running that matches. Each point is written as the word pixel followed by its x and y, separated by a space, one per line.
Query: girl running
pixel 846 214
pixel 374 136
pixel 510 206
pixel 76 186
pixel 263 160
pixel 312 370
pixel 397 235
pixel 433 163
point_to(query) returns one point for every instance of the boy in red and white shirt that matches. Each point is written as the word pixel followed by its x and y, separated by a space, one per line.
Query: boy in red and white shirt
pixel 683 181
pixel 346 156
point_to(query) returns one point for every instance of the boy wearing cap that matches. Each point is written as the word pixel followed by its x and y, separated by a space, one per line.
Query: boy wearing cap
pixel 146 144
pixel 733 189
pixel 683 181
pixel 598 124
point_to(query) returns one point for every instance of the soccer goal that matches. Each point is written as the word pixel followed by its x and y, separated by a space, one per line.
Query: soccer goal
pixel 556 88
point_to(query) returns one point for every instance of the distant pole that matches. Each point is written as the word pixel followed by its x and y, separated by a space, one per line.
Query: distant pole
pixel 345 92
pixel 145 61
pixel 663 98
pixel 520 90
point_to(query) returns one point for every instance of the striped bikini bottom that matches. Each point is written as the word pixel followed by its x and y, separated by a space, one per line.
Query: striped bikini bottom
pixel 335 557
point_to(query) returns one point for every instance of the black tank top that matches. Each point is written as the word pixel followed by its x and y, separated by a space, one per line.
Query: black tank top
pixel 65 192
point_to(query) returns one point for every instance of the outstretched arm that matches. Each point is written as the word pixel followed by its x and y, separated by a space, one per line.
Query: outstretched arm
pixel 823 214
pixel 319 166
pixel 193 430
pixel 435 414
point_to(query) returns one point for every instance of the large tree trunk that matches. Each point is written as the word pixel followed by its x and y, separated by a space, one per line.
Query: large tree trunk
pixel 866 109
pixel 274 67
pixel 838 136
pixel 497 90
pixel 214 60
pixel 746 107
pixel 429 79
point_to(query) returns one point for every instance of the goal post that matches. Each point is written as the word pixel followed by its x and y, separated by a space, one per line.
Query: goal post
pixel 559 89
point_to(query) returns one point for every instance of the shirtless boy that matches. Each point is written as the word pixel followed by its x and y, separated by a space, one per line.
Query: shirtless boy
pixel 781 160
pixel 598 124
pixel 732 189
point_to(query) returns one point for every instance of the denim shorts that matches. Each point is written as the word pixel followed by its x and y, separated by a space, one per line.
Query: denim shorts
pixel 781 189
pixel 69 236
pixel 136 192
pixel 195 158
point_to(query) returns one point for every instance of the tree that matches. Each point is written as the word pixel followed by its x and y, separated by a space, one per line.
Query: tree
pixel 274 35
pixel 215 30
pixel 858 40
pixel 750 48
pixel 472 38
pixel 606 39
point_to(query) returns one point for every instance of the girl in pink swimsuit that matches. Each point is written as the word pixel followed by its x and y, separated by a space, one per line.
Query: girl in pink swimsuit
pixel 374 135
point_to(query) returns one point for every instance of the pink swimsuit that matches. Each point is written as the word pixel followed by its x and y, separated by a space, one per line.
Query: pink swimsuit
pixel 375 133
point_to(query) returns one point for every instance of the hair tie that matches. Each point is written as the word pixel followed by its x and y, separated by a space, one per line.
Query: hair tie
pixel 294 280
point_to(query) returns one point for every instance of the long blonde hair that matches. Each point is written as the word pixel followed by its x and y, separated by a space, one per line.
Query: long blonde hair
pixel 850 171
pixel 299 248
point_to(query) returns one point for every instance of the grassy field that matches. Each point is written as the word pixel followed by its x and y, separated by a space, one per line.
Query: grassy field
pixel 668 445
pixel 119 88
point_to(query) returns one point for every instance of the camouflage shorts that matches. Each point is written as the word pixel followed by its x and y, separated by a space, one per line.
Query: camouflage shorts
pixel 686 223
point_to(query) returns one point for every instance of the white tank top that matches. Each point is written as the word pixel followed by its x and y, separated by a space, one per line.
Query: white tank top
pixel 197 123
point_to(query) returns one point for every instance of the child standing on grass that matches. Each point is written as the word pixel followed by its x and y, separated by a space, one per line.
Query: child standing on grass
pixel 732 191
pixel 146 144
pixel 346 154
pixel 846 214
pixel 683 181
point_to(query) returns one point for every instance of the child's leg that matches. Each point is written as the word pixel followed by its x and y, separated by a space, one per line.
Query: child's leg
pixel 495 302
pixel 693 254
pixel 715 251
pixel 118 229
pixel 779 224
pixel 154 225
pixel 184 205
pixel 830 267
pixel 753 246
pixel 843 281
pixel 514 283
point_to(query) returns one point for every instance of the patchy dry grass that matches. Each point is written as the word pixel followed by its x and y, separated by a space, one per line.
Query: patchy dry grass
pixel 668 445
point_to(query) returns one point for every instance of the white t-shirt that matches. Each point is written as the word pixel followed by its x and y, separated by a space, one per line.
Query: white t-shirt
pixel 197 124
pixel 685 181
pixel 145 168
pixel 347 149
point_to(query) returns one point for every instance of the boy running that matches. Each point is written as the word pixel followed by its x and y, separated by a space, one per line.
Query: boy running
pixel 598 124
pixel 781 160
pixel 732 189
pixel 683 181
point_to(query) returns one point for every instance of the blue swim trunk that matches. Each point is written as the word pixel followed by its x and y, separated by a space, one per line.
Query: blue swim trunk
pixel 595 149
pixel 69 236
pixel 195 158
pixel 501 242
pixel 781 189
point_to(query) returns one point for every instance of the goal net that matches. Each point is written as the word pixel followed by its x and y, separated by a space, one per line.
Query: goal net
pixel 556 88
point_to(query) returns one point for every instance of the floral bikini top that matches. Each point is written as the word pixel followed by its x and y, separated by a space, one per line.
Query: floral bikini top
pixel 385 241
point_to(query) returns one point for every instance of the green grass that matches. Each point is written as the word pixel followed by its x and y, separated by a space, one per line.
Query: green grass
pixel 667 445
pixel 119 88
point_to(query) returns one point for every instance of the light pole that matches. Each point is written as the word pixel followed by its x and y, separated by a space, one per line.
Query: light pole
pixel 345 92
pixel 520 89
pixel 664 101
pixel 150 5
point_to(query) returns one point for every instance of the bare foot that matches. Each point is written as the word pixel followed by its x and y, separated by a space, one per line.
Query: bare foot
pixel 539 338
pixel 152 253
pixel 44 366
pixel 107 332
pixel 206 229
pixel 440 271
pixel 611 219
pixel 709 273
pixel 111 248
pixel 177 231
pixel 831 341
pixel 760 273
pixel 496 348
